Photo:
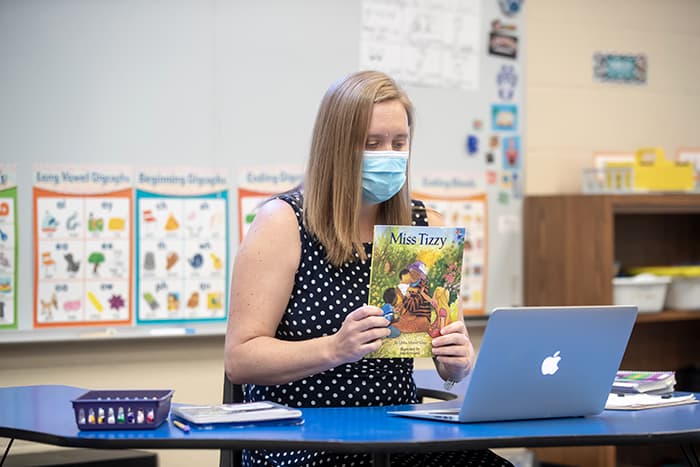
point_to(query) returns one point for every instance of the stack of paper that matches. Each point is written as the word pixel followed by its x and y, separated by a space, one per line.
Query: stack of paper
pixel 646 401
pixel 646 382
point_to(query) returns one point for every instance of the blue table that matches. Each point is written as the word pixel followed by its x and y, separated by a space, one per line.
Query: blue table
pixel 44 414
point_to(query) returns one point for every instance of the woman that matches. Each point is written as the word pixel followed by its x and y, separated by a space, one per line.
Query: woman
pixel 298 327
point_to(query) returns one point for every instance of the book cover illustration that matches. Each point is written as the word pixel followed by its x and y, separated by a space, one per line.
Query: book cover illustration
pixel 415 279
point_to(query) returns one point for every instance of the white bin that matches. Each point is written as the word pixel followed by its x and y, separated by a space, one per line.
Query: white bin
pixel 647 291
pixel 684 290
pixel 684 294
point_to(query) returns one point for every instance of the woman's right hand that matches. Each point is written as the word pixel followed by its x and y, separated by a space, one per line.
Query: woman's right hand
pixel 361 333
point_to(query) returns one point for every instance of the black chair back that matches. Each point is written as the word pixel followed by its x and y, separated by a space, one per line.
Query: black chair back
pixel 231 457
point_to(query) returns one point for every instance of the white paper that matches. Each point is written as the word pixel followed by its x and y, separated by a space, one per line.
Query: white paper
pixel 645 401
pixel 425 43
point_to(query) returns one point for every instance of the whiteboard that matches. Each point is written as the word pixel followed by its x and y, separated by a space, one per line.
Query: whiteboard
pixel 215 83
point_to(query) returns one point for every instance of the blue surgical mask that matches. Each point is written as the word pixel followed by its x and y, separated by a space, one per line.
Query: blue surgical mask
pixel 383 174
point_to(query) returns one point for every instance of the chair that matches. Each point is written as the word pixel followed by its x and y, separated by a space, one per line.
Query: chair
pixel 234 393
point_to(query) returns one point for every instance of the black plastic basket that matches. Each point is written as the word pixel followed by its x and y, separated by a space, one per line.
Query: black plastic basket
pixel 122 409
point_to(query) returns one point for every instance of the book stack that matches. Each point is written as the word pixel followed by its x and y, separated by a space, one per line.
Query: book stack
pixel 635 390
pixel 644 382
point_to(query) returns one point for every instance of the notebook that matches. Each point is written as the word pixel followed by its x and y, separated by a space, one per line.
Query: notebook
pixel 242 412
pixel 541 362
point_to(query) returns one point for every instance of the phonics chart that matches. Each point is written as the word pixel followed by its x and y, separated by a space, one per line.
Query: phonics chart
pixel 8 247
pixel 83 246
pixel 182 249
pixel 469 213
pixel 258 184
pixel 460 203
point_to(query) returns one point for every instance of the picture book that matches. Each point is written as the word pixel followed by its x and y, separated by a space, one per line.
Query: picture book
pixel 415 278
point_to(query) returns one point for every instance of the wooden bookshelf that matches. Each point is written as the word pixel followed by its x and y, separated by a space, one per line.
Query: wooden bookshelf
pixel 574 246
pixel 668 316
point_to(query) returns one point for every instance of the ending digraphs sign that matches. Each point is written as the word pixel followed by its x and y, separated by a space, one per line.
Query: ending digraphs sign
pixel 182 249
pixel 461 201
pixel 257 184
pixel 82 245
pixel 9 243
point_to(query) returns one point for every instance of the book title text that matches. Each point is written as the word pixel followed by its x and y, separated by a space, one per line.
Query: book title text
pixel 421 239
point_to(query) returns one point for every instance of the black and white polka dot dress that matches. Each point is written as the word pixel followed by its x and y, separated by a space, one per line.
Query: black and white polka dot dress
pixel 322 296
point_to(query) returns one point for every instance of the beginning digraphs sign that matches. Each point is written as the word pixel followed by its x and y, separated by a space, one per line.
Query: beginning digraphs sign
pixel 82 245
pixel 182 249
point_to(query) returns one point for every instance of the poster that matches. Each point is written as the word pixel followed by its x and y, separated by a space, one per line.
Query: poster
pixel 82 245
pixel 462 203
pixel 258 184
pixel 9 241
pixel 182 248
pixel 620 68
pixel 424 43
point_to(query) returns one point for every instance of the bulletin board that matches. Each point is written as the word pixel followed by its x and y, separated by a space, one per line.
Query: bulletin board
pixel 233 86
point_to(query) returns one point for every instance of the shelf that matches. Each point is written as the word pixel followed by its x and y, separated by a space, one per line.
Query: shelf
pixel 668 316
pixel 656 204
pixel 571 246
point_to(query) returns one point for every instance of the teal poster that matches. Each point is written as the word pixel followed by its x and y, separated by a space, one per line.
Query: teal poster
pixel 182 246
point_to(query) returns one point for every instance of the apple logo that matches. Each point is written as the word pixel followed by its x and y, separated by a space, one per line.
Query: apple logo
pixel 550 365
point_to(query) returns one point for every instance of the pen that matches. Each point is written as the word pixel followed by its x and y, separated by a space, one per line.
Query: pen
pixel 182 426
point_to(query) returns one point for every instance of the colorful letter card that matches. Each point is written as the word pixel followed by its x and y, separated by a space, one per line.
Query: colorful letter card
pixel 82 245
pixel 182 249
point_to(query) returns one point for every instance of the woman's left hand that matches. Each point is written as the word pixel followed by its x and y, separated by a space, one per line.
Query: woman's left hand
pixel 453 351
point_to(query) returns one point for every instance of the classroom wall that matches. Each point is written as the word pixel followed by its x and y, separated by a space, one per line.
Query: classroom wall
pixel 568 116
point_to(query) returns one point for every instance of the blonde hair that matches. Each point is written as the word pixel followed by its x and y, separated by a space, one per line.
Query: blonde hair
pixel 333 180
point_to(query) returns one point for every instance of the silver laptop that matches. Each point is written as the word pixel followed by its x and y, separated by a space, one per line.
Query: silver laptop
pixel 541 362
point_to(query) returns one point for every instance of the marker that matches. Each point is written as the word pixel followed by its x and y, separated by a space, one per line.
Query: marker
pixel 182 426
pixel 171 331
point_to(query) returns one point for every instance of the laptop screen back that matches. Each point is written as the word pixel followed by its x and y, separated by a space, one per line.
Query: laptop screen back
pixel 542 362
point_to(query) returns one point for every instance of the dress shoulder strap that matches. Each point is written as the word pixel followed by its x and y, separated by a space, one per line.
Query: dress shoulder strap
pixel 296 201
pixel 419 214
